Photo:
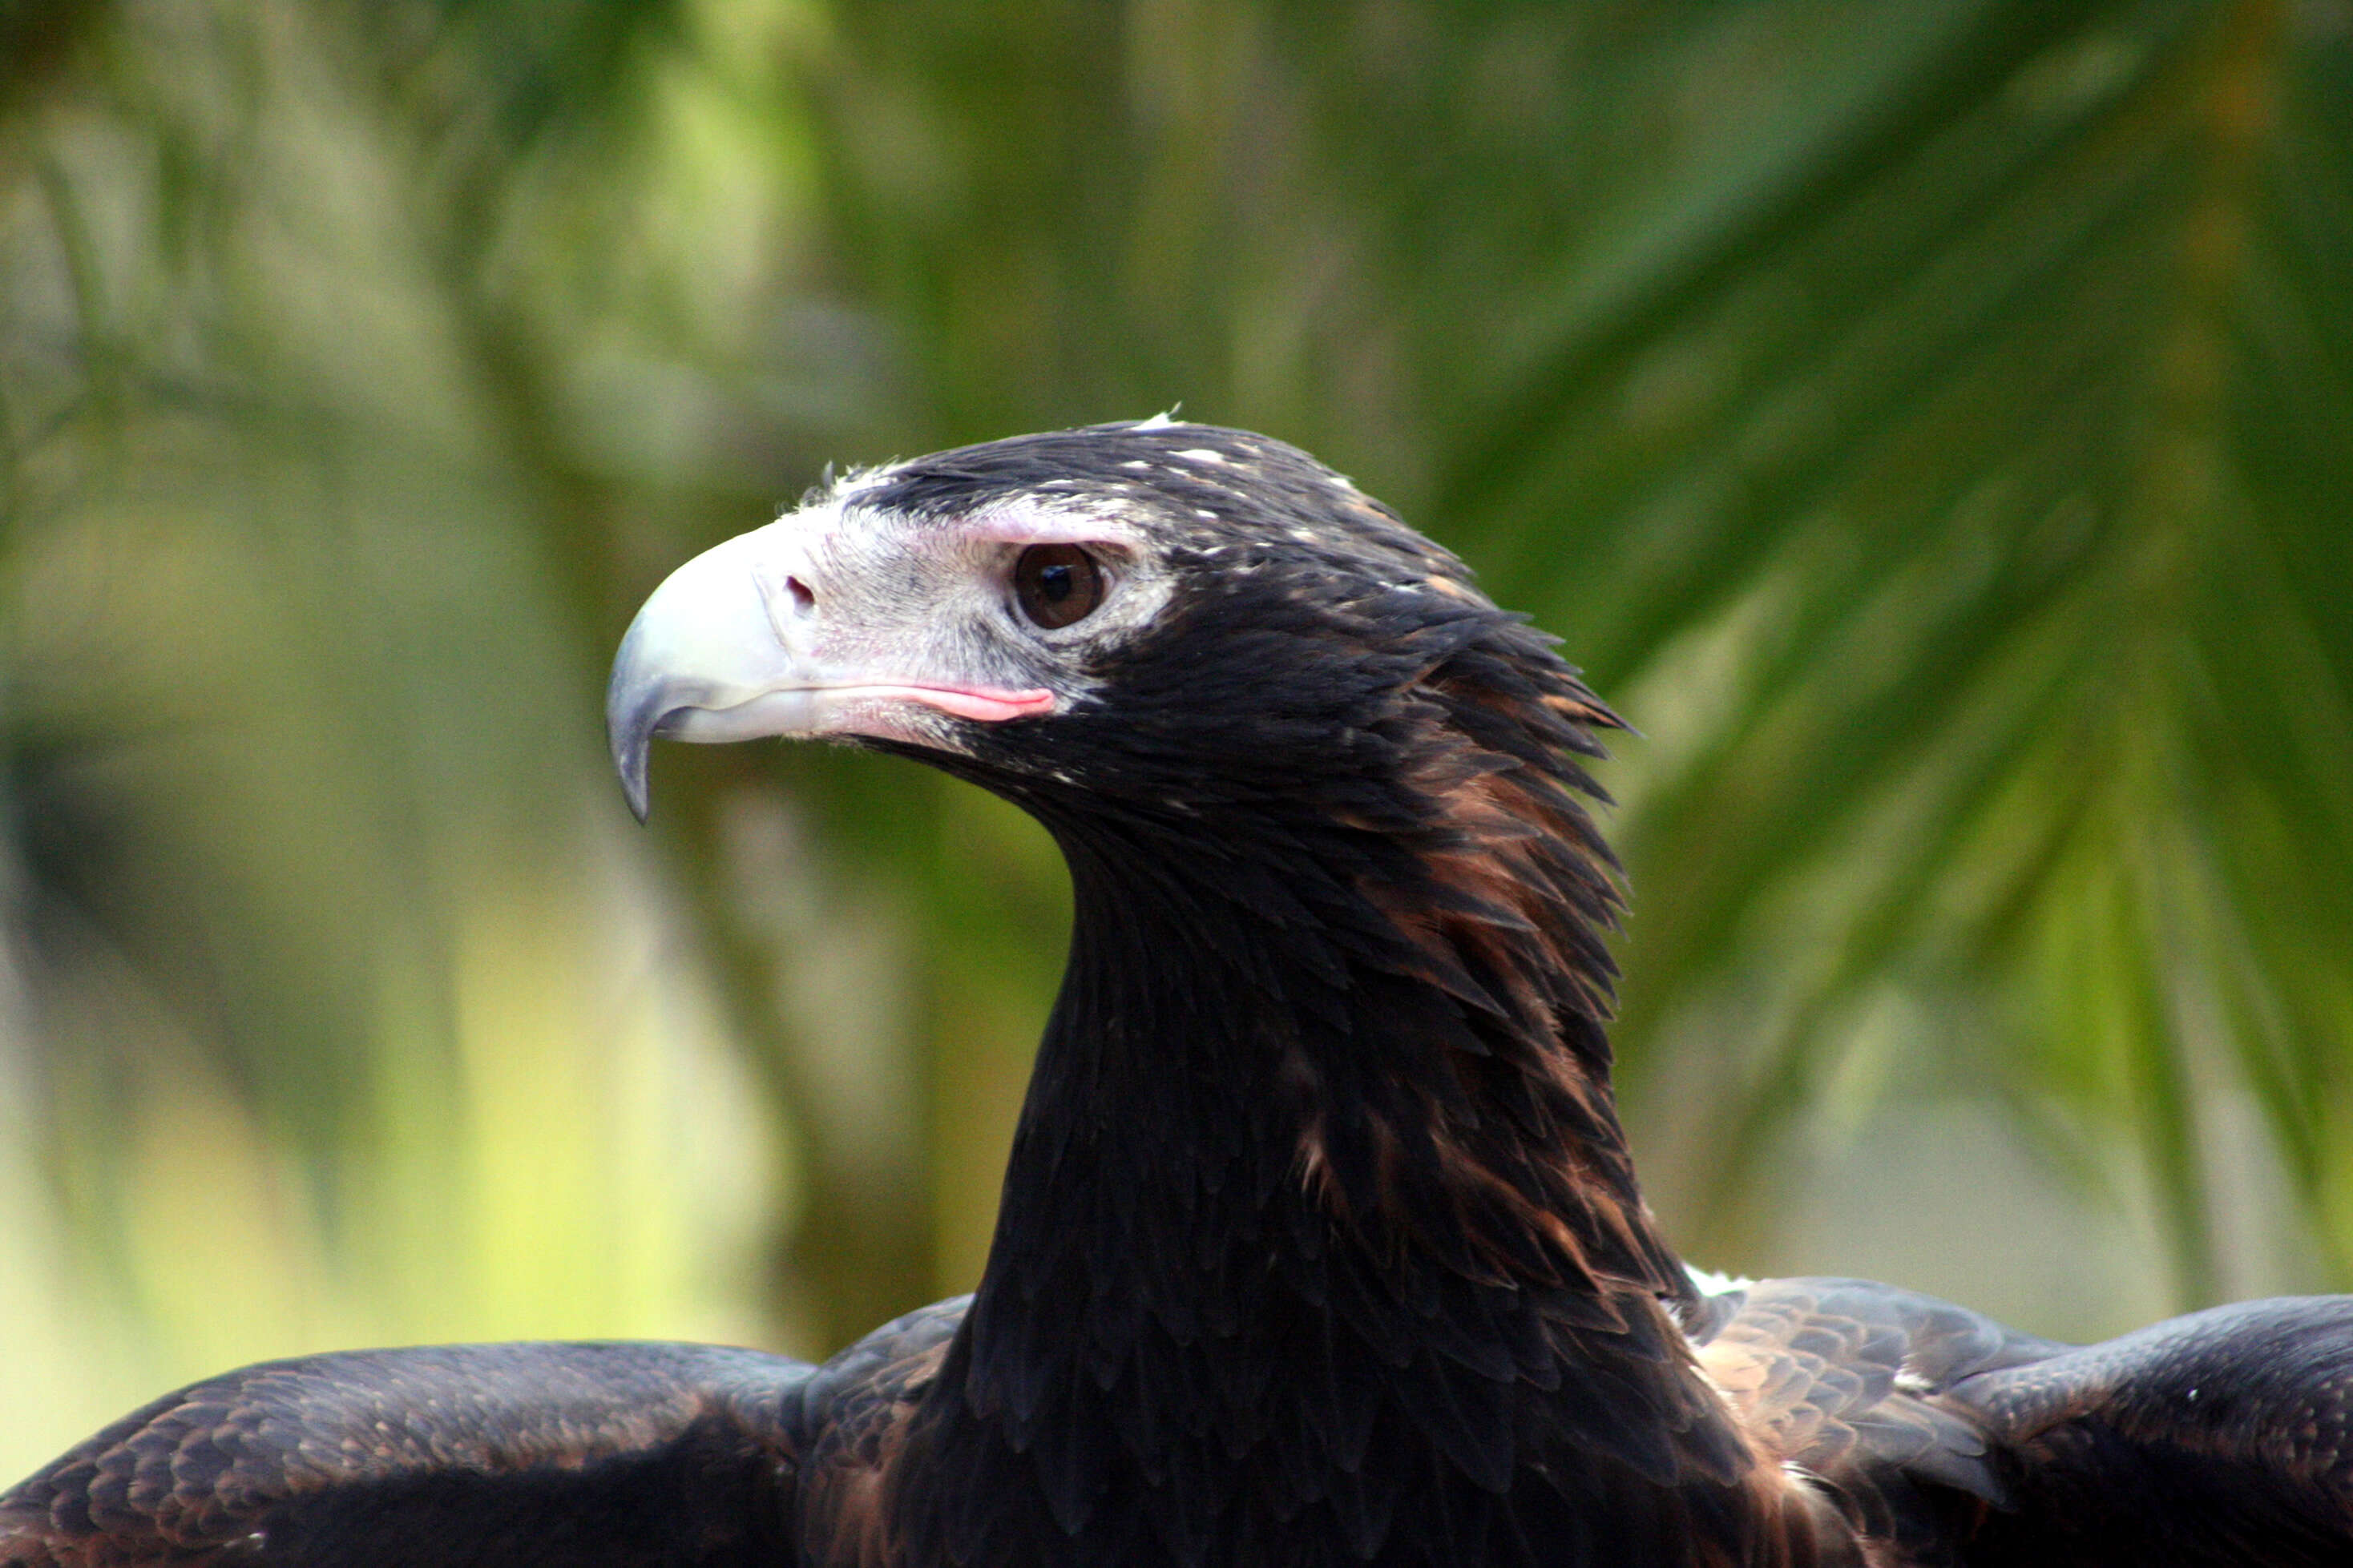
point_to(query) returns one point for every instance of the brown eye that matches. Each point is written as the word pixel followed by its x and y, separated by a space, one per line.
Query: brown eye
pixel 1057 584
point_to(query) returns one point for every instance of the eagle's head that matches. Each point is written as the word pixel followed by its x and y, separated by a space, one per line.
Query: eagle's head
pixel 1169 621
pixel 1323 805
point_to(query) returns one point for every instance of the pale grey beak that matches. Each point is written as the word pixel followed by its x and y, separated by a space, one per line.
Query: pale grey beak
pixel 709 659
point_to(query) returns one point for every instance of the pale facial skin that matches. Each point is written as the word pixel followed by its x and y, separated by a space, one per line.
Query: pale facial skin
pixel 844 620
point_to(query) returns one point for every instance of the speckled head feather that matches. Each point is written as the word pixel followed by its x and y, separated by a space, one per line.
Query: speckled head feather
pixel 1327 723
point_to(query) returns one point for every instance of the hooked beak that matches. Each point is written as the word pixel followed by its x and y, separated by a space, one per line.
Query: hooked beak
pixel 730 647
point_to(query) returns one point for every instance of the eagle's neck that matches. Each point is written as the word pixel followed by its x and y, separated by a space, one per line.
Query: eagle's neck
pixel 1319 1225
pixel 1399 1051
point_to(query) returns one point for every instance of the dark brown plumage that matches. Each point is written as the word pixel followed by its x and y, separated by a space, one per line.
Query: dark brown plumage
pixel 1320 1241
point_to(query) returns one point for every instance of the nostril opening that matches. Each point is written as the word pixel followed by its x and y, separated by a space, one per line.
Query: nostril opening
pixel 803 600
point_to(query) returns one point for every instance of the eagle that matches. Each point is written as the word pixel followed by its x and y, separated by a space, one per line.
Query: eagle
pixel 1320 1241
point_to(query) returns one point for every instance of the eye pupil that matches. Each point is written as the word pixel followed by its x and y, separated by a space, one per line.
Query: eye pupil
pixel 1057 585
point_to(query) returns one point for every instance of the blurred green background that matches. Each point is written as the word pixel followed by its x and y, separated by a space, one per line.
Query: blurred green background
pixel 1929 421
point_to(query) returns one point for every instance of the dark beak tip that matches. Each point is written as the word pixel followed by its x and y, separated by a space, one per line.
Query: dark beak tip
pixel 629 760
pixel 633 712
pixel 630 738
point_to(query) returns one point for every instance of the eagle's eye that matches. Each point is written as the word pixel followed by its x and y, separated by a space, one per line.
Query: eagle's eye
pixel 1057 585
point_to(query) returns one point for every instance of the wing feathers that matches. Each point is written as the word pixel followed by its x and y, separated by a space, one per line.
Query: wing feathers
pixel 2225 1436
pixel 2222 1437
pixel 524 1454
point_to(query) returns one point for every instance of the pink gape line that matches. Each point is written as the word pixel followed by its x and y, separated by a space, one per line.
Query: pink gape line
pixel 971 702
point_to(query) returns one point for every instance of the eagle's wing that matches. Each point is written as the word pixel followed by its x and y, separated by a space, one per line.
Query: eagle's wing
pixel 512 1455
pixel 1842 1383
pixel 2225 1436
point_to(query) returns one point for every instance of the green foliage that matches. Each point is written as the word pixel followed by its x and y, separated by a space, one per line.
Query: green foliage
pixel 1932 424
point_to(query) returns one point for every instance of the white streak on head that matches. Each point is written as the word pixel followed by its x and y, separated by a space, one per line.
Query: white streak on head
pixel 1031 519
pixel 1157 422
pixel 1200 455
pixel 857 480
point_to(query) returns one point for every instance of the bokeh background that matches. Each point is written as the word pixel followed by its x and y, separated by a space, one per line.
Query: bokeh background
pixel 1929 421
